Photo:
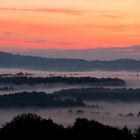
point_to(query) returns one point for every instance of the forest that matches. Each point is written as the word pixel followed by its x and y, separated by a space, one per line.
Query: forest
pixel 68 98
pixel 19 80
pixel 32 126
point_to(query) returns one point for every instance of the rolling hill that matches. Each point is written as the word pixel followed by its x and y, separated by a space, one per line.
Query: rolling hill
pixel 8 60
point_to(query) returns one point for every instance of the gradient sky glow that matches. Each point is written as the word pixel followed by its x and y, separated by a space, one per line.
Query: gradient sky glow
pixel 68 24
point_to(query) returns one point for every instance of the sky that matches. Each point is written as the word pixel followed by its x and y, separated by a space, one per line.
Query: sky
pixel 68 24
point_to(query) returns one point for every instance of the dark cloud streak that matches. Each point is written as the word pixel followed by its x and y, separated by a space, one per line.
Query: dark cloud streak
pixel 48 10
pixel 102 13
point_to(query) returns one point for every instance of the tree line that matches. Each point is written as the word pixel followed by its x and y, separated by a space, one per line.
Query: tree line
pixel 32 126
pixel 18 80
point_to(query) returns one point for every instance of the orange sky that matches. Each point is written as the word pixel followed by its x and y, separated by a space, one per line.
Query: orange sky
pixel 68 24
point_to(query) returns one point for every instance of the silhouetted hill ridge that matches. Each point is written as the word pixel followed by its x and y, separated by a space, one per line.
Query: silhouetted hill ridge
pixel 8 60
pixel 31 126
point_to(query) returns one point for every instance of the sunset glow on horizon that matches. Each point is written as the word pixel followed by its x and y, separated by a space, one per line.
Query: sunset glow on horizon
pixel 69 24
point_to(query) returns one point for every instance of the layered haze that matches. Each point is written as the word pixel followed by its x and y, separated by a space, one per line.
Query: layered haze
pixel 70 39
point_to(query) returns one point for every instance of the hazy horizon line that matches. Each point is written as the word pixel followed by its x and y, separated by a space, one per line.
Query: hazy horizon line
pixel 100 53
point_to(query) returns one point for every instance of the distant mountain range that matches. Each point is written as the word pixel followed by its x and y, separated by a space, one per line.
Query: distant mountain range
pixel 8 60
pixel 132 52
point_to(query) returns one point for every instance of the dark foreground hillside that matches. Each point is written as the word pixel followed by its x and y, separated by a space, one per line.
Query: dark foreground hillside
pixel 31 126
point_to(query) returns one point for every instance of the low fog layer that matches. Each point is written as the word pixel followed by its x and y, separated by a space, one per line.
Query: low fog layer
pixel 132 80
pixel 109 114
pixel 115 114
